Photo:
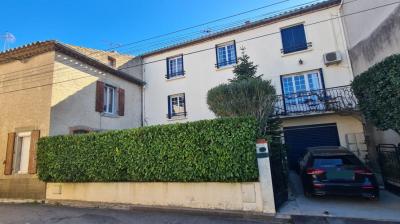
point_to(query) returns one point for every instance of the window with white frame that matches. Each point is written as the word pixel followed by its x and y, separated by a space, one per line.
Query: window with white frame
pixel 110 98
pixel 175 67
pixel 226 54
pixel 21 156
pixel 176 105
pixel 302 88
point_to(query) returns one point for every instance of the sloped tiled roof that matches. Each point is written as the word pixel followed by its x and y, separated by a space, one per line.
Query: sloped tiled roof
pixel 102 56
pixel 87 56
pixel 249 25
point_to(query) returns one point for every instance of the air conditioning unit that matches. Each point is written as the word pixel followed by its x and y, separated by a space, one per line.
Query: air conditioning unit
pixel 332 58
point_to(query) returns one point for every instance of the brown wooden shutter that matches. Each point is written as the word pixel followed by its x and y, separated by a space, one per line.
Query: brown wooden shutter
pixel 99 96
pixel 121 102
pixel 35 135
pixel 8 168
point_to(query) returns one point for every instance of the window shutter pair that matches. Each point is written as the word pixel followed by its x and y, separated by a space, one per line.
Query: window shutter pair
pixel 99 96
pixel 294 39
pixel 8 163
pixel 121 102
pixel 100 99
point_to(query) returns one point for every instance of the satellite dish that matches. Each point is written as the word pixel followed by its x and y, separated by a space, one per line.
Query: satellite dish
pixel 8 39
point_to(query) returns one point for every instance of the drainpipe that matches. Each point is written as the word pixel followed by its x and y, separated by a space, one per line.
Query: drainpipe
pixel 143 92
pixel 344 35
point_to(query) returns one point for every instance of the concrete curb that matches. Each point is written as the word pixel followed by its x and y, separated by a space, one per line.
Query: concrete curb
pixel 20 201
pixel 190 211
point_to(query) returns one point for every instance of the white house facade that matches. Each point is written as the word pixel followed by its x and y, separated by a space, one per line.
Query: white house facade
pixel 304 54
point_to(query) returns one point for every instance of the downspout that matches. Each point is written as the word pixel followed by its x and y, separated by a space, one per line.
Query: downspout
pixel 143 91
pixel 344 35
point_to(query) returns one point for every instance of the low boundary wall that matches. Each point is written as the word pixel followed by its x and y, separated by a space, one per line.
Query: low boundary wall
pixel 225 196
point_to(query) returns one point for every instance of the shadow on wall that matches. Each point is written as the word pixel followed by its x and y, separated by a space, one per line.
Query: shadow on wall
pixel 383 42
pixel 133 67
pixel 73 101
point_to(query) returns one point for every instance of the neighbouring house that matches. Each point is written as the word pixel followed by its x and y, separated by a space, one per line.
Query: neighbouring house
pixel 50 88
pixel 303 52
pixel 371 37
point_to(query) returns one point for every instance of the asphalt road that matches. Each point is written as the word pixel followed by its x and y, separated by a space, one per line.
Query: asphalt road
pixel 45 214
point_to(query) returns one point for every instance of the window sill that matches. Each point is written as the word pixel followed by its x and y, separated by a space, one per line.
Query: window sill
pixel 109 115
pixel 177 118
pixel 296 52
pixel 225 67
pixel 175 78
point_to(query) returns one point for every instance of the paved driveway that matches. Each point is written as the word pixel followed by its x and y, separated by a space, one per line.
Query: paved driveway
pixel 45 214
pixel 387 208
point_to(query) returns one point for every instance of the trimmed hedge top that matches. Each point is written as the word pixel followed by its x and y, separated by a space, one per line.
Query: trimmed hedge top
pixel 378 93
pixel 220 150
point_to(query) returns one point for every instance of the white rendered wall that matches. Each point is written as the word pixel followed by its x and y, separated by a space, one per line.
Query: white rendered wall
pixel 201 74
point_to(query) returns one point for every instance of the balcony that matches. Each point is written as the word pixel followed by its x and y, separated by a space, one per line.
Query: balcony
pixel 337 99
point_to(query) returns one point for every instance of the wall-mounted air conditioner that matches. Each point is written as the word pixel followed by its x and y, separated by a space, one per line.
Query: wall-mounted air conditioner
pixel 332 58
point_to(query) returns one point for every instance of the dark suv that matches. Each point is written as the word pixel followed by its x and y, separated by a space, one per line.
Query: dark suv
pixel 336 171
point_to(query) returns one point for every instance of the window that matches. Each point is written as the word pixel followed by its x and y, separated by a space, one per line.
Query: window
pixel 176 106
pixel 226 54
pixel 303 88
pixel 293 39
pixel 21 157
pixel 110 97
pixel 112 61
pixel 175 67
pixel 78 130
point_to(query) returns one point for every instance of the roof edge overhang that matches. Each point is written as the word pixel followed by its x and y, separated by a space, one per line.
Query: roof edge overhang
pixel 24 52
pixel 256 24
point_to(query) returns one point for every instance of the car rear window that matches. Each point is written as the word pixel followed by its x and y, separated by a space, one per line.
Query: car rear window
pixel 326 162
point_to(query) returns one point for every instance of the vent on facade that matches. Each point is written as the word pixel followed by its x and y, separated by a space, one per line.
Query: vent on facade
pixel 332 58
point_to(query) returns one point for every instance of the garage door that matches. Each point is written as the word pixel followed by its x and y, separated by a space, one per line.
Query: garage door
pixel 298 138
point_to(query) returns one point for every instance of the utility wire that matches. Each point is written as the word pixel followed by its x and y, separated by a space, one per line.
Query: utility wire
pixel 245 40
pixel 170 33
pixel 166 43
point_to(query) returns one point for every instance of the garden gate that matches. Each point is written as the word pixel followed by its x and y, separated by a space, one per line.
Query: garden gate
pixel 389 161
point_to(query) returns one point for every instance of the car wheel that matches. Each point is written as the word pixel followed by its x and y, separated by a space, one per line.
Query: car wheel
pixel 306 192
pixel 373 198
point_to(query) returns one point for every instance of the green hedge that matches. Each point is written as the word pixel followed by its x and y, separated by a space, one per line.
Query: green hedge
pixel 220 150
pixel 378 93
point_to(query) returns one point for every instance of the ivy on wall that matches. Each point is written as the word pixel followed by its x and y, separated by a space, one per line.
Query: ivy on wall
pixel 378 93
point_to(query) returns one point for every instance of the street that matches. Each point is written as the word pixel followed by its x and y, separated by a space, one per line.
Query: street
pixel 46 214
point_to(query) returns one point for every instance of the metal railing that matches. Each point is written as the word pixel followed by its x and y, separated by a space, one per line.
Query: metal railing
pixel 323 100
pixel 296 48
pixel 176 74
pixel 226 63
pixel 174 115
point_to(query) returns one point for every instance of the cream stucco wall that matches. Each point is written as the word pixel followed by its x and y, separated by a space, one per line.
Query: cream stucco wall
pixel 359 26
pixel 372 36
pixel 201 74
pixel 73 101
pixel 225 196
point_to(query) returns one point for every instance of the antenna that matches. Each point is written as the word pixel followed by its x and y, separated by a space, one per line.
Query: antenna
pixel 8 39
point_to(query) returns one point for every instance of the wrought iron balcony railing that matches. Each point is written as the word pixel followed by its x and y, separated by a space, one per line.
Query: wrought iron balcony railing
pixel 316 101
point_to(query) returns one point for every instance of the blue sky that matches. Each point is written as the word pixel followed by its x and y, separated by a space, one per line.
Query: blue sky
pixel 104 24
